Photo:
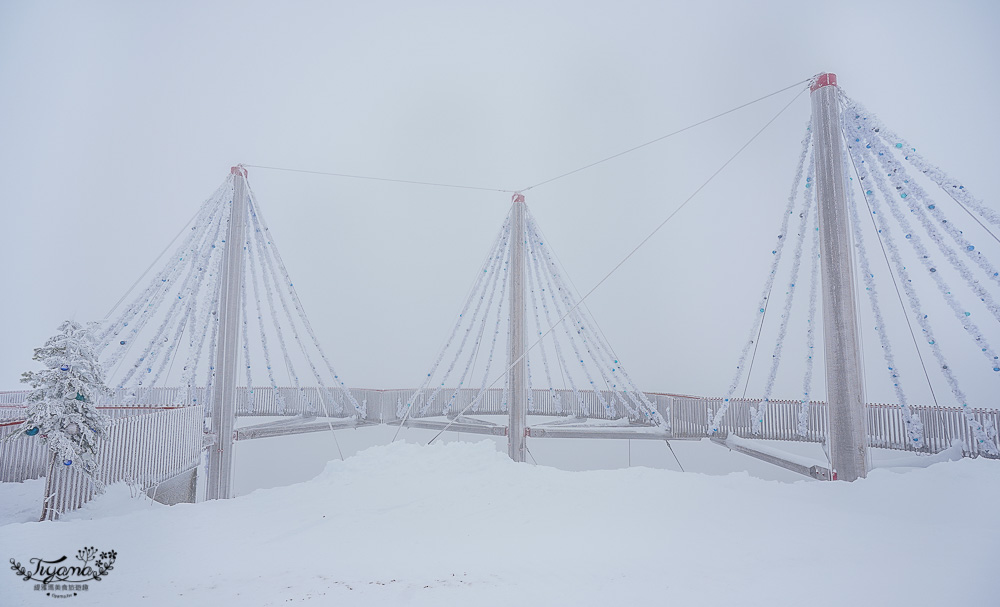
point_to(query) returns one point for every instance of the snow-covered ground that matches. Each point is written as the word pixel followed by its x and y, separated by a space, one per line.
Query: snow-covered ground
pixel 460 524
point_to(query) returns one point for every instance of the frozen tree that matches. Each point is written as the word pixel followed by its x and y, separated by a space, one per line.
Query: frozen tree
pixel 61 408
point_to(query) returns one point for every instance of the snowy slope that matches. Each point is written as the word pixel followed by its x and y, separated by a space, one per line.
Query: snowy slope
pixel 460 524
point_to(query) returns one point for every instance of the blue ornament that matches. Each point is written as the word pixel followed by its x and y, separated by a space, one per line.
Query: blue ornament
pixel 64 368
pixel 31 431
pixel 68 462
pixel 80 396
pixel 899 145
pixel 122 342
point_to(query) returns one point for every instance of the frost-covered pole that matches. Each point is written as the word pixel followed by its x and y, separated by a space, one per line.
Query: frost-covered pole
pixel 516 385
pixel 220 460
pixel 844 379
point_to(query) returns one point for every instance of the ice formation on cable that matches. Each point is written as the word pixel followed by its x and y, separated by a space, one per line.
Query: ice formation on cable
pixel 768 283
pixel 175 317
pixel 873 170
pixel 594 373
pixel 757 413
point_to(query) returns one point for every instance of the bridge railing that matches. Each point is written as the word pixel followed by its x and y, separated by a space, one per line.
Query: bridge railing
pixel 690 418
pixel 584 403
pixel 145 446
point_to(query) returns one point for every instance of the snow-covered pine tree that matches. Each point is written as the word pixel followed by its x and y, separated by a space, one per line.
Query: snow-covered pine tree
pixel 61 406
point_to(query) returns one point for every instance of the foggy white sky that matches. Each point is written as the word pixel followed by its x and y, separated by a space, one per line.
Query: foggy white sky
pixel 118 119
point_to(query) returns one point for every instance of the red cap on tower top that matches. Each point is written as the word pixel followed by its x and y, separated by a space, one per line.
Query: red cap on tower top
pixel 822 80
pixel 238 170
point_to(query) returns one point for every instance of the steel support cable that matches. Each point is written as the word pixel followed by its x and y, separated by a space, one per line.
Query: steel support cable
pixel 195 249
pixel 371 178
pixel 558 305
pixel 461 347
pixel 200 210
pixel 585 314
pixel 492 267
pixel 506 191
pixel 599 354
pixel 269 259
pixel 778 251
pixel 156 290
pixel 631 253
pixel 888 265
pixel 269 264
pixel 977 427
pixel 162 281
pixel 756 342
pixel 935 174
pixel 757 413
pixel 301 311
pixel 191 293
pixel 662 137
pixel 252 253
pixel 535 270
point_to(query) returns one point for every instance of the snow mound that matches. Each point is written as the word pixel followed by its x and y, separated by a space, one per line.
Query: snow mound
pixel 460 524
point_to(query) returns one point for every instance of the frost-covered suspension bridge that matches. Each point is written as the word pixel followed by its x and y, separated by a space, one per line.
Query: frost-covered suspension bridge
pixel 219 332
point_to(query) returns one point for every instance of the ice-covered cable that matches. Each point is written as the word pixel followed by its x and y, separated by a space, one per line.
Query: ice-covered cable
pixel 920 206
pixel 490 287
pixel 505 277
pixel 803 425
pixel 914 427
pixel 952 187
pixel 358 407
pixel 768 283
pixel 252 256
pixel 498 244
pixel 616 379
pixel 961 314
pixel 757 413
pixel 162 281
pixel 914 302
pixel 534 267
pixel 535 296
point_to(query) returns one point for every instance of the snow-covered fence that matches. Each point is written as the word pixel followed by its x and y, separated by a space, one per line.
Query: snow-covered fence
pixel 543 402
pixel 886 427
pixel 145 446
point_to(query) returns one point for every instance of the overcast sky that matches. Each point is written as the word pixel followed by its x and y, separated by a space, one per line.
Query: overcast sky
pixel 118 119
